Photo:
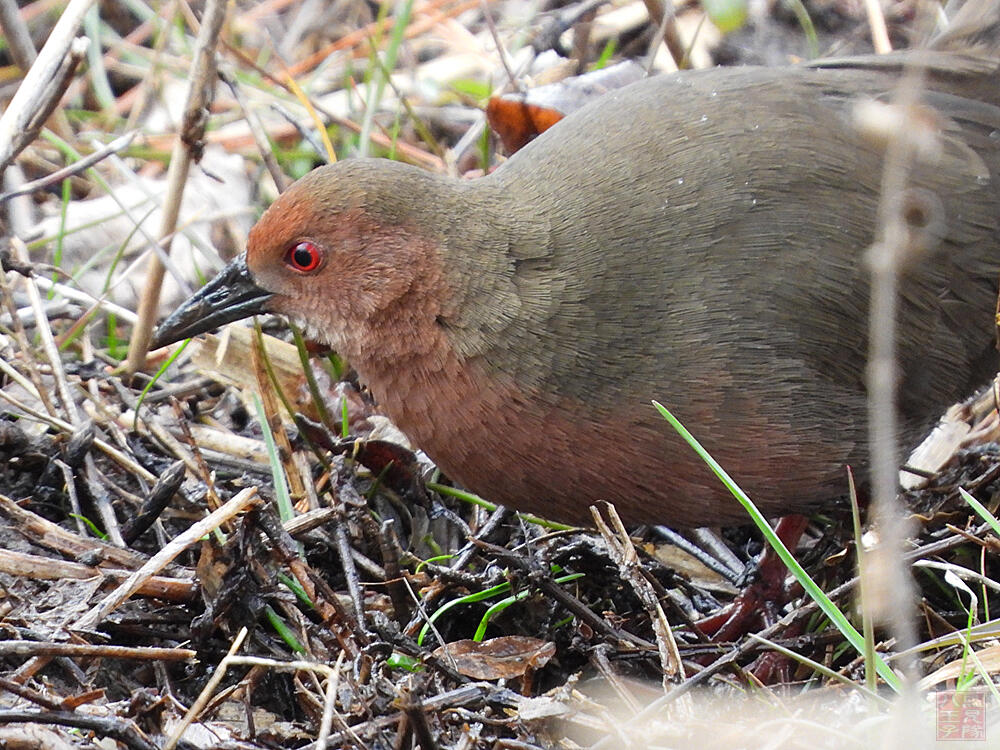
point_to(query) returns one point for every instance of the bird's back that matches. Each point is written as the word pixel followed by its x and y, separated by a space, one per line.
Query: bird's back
pixel 700 239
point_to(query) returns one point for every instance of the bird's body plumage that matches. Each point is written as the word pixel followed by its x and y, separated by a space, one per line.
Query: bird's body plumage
pixel 697 239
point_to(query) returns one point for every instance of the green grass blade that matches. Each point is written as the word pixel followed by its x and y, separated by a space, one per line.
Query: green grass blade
pixel 808 584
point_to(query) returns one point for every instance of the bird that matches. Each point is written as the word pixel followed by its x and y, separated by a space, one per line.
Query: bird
pixel 698 239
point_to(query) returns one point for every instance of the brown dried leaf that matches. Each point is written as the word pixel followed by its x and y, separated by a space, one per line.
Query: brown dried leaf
pixel 505 657
pixel 518 118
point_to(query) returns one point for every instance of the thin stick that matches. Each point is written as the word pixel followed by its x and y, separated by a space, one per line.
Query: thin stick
pixel 192 132
pixel 876 20
pixel 18 37
pixel 44 71
pixel 165 556
pixel 118 144
pixel 207 691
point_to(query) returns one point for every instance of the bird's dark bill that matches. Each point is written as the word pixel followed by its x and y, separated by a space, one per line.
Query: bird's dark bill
pixel 232 295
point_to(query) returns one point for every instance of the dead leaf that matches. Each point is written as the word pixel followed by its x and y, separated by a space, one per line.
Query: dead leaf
pixel 519 117
pixel 505 657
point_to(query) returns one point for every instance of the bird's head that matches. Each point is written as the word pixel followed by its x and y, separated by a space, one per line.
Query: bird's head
pixel 334 252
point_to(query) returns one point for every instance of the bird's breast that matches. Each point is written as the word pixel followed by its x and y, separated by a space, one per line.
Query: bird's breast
pixel 556 456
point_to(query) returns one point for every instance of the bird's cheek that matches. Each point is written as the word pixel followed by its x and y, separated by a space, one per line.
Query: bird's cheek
pixel 289 307
pixel 294 307
pixel 317 321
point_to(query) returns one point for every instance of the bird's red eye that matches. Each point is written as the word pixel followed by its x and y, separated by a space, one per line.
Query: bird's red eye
pixel 305 257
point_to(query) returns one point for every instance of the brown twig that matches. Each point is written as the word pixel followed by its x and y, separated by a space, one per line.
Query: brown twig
pixel 623 554
pixel 161 559
pixel 187 148
pixel 44 83
pixel 18 37
pixel 887 258
pixel 42 568
pixel 665 19
pixel 86 650
pixel 257 131
pixel 876 21
pixel 105 726
pixel 118 144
